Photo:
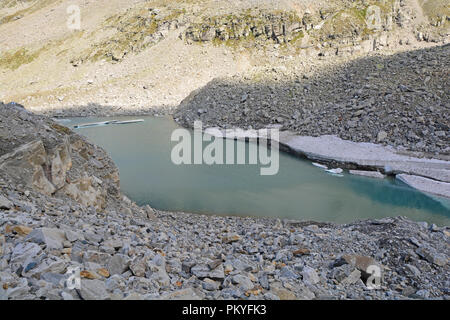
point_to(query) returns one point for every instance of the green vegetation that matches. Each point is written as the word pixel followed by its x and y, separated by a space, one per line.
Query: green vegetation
pixel 243 30
pixel 298 37
pixel 133 32
pixel 37 5
pixel 351 21
pixel 437 11
pixel 13 60
pixel 61 129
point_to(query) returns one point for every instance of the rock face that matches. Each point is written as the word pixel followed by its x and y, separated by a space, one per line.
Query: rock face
pixel 26 163
pixel 45 163
pixel 336 28
pixel 52 238
pixel 84 191
pixel 281 27
pixel 5 203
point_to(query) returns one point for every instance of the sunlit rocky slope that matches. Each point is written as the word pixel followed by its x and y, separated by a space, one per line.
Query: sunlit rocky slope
pixel 141 55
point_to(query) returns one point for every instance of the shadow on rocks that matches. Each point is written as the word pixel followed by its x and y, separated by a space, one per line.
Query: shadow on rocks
pixel 399 100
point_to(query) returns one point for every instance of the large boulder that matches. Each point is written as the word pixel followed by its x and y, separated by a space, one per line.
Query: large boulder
pixel 93 290
pixel 32 165
pixel 26 164
pixel 46 157
pixel 52 238
pixel 83 191
pixel 60 162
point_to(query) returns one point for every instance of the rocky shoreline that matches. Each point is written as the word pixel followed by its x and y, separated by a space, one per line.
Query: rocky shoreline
pixel 426 173
pixel 378 113
pixel 128 252
pixel 341 92
pixel 398 100
pixel 431 176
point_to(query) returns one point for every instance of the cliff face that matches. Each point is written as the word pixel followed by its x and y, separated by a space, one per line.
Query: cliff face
pixel 47 162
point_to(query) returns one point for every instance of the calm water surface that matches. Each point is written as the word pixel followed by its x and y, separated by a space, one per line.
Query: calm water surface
pixel 299 190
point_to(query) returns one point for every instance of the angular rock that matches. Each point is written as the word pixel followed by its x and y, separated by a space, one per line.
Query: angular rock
pixel 73 236
pixel 115 244
pixel 118 264
pixel 150 212
pixel 138 267
pixel 284 294
pixel 301 252
pixel 51 265
pixel 18 292
pixel 67 296
pixel 51 237
pixel 89 274
pixel 382 135
pixel 23 253
pixel 203 271
pixel 430 254
pixel 287 272
pixel 83 191
pixel 412 269
pixel 103 272
pixel 158 271
pixel 310 276
pixel 243 282
pixel 25 164
pixel 232 237
pixel 210 285
pixel 362 263
pixel 100 258
pixel 60 162
pixel 5 204
pixel 22 230
pixel 352 278
pixel 93 290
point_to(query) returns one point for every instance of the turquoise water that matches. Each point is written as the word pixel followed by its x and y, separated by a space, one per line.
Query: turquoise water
pixel 142 151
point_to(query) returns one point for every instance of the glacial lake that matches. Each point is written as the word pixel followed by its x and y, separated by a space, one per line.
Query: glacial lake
pixel 142 152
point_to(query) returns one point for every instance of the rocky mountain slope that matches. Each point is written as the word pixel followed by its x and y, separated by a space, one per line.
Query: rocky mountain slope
pixel 61 211
pixel 400 100
pixel 313 67
pixel 161 51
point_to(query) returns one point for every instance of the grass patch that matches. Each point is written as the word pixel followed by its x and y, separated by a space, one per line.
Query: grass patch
pixel 18 58
pixel 61 129
pixel 436 10
pixel 37 5
pixel 132 29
